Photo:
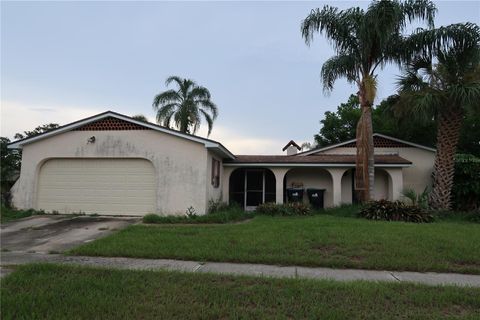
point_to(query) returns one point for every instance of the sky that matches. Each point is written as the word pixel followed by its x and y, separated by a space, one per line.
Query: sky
pixel 63 61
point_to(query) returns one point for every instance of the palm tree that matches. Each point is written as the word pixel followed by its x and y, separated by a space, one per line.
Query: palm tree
pixel 185 106
pixel 365 41
pixel 445 89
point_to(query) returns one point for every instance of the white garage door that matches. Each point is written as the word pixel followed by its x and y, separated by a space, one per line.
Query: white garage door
pixel 103 186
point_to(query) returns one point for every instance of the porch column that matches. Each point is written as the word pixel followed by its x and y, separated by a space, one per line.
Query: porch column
pixel 279 176
pixel 227 171
pixel 337 174
pixel 396 176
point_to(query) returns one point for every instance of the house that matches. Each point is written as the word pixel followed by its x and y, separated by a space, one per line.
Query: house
pixel 114 165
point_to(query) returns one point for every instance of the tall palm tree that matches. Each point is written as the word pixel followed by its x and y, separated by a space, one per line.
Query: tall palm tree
pixel 446 89
pixel 364 41
pixel 185 106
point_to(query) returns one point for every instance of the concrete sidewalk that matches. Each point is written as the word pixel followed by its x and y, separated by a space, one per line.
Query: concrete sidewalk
pixel 429 278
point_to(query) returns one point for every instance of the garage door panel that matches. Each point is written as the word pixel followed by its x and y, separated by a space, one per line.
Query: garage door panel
pixel 103 186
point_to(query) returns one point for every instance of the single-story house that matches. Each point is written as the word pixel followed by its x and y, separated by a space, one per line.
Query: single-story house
pixel 113 164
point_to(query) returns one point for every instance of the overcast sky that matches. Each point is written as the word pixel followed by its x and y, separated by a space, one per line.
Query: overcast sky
pixel 62 61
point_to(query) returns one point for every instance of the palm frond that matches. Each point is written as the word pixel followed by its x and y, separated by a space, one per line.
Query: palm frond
pixel 337 26
pixel 165 112
pixel 210 106
pixel 337 67
pixel 175 79
pixel 209 121
pixel 426 42
pixel 166 97
pixel 423 10
pixel 200 93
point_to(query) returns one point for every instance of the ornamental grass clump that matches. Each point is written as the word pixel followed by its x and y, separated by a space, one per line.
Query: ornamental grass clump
pixel 394 211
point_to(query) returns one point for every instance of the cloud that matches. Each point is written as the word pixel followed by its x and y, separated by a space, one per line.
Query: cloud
pixel 241 143
pixel 18 117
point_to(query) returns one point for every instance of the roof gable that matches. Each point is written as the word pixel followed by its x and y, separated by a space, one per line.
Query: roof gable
pixel 379 141
pixel 109 124
pixel 110 120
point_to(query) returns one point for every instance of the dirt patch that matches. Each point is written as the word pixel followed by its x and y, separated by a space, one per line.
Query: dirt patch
pixel 326 249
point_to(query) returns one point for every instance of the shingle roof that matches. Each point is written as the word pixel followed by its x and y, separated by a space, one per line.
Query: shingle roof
pixel 326 158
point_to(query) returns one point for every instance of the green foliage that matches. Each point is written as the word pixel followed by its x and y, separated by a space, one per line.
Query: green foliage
pixel 417 199
pixel 288 209
pixel 222 215
pixel 185 106
pixel 9 214
pixel 9 167
pixel 341 125
pixel 394 211
pixel 216 206
pixel 38 130
pixel 140 117
pixel 466 183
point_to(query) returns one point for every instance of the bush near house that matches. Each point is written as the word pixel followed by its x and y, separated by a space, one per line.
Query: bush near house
pixel 394 211
pixel 287 209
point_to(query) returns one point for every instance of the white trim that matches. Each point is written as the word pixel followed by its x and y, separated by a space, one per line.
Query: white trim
pixel 306 153
pixel 207 143
pixel 344 165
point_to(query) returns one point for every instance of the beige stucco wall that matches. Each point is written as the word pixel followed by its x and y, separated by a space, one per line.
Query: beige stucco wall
pixel 417 176
pixel 312 178
pixel 181 165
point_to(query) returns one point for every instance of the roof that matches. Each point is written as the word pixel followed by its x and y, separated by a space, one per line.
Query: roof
pixel 380 141
pixel 318 160
pixel 209 144
pixel 291 143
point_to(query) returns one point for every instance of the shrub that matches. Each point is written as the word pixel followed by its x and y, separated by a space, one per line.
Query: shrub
pixel 417 199
pixel 394 211
pixel 288 209
pixel 216 206
pixel 227 214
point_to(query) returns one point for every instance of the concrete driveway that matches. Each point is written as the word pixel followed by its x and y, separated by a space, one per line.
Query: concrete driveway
pixel 57 233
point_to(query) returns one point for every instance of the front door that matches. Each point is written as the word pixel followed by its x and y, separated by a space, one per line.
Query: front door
pixel 254 188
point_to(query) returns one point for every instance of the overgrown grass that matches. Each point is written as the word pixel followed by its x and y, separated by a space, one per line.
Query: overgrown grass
pixel 67 292
pixel 329 240
pixel 226 215
pixel 8 214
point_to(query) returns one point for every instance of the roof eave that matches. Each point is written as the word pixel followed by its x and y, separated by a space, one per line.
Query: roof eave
pixel 311 164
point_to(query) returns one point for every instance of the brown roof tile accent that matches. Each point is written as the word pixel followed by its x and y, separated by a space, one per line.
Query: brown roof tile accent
pixel 380 142
pixel 110 123
pixel 327 158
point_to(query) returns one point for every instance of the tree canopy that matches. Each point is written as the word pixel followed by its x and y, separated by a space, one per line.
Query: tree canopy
pixel 186 106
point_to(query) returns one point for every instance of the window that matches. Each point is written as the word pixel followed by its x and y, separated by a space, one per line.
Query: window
pixel 215 173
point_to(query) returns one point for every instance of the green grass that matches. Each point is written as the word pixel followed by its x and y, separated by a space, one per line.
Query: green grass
pixel 227 215
pixel 67 292
pixel 320 240
pixel 8 214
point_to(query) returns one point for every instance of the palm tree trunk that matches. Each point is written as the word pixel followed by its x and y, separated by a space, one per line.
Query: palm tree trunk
pixel 365 162
pixel 448 133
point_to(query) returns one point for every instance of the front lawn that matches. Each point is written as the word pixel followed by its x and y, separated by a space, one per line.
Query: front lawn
pixel 66 292
pixel 320 240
